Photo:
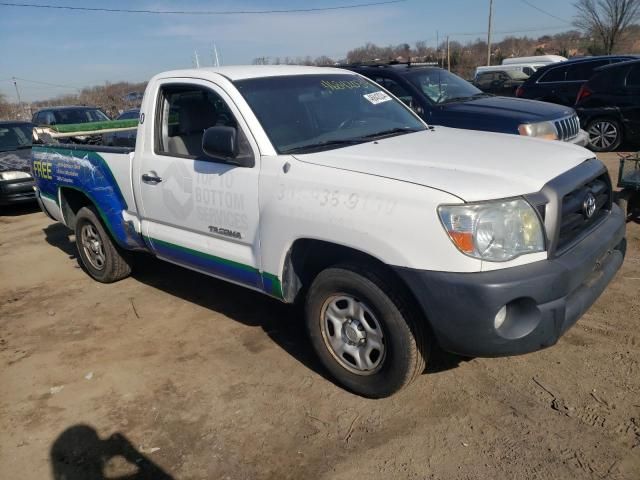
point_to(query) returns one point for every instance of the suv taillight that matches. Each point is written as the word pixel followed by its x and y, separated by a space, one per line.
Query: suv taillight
pixel 519 91
pixel 583 93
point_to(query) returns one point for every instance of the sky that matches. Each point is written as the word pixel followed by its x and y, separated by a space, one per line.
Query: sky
pixel 75 49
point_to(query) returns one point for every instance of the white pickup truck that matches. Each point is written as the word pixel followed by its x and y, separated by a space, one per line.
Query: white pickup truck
pixel 317 185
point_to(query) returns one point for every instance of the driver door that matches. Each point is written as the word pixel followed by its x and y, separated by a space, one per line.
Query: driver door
pixel 198 211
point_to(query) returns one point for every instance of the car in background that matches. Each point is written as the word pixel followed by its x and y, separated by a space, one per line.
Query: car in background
pixel 609 106
pixel 442 98
pixel 500 82
pixel 71 115
pixel 560 82
pixel 126 138
pixel 16 182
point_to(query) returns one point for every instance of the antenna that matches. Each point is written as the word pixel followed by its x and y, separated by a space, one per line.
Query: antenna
pixel 215 53
pixel 489 32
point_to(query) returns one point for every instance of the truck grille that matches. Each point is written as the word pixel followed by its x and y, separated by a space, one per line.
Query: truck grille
pixel 578 214
pixel 567 127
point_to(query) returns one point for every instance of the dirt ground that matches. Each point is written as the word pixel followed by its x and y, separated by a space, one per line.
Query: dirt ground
pixel 176 375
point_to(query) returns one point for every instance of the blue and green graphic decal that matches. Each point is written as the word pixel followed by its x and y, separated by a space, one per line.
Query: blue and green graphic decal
pixel 87 172
pixel 222 267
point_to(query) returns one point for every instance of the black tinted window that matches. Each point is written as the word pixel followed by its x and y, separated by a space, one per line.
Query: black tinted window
pixel 129 116
pixel 584 70
pixel 633 79
pixel 604 81
pixel 554 75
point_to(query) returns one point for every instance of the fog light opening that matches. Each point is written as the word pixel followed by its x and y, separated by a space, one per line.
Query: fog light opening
pixel 501 316
pixel 517 319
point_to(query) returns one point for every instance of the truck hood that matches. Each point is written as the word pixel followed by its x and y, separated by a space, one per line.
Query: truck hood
pixel 470 165
pixel 517 109
pixel 15 160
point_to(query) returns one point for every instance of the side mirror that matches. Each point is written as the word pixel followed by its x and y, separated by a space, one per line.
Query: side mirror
pixel 220 142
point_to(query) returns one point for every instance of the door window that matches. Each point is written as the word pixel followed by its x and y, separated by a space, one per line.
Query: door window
pixel 584 70
pixel 554 75
pixel 633 79
pixel 186 112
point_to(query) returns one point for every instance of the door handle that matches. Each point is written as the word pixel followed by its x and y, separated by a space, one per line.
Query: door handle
pixel 151 179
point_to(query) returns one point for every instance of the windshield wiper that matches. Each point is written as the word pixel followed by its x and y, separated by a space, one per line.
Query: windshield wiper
pixel 390 132
pixel 319 146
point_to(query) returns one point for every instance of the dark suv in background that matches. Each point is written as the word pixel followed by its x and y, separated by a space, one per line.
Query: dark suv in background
pixel 560 82
pixel 609 106
pixel 500 82
pixel 71 115
pixel 442 98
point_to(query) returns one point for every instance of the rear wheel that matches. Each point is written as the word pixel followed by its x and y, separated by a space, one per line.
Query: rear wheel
pixel 363 332
pixel 99 256
pixel 605 134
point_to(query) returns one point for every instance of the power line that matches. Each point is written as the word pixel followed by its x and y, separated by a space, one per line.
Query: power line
pixel 535 7
pixel 526 30
pixel 205 12
pixel 43 83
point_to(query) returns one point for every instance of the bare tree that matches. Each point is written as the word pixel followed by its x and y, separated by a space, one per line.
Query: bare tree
pixel 607 19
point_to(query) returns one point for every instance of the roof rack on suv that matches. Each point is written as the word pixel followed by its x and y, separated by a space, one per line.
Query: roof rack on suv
pixel 391 63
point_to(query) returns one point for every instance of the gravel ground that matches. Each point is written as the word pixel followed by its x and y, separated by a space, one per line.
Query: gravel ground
pixel 175 375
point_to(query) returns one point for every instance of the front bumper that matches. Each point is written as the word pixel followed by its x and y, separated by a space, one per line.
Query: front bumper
pixel 16 191
pixel 544 299
pixel 582 139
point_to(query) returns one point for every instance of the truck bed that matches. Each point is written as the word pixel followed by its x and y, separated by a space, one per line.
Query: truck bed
pixel 102 174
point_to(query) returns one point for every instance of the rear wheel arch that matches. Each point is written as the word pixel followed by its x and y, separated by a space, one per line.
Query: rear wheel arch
pixel 71 201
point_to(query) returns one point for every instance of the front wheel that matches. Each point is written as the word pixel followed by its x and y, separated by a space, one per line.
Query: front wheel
pixel 364 334
pixel 100 257
pixel 605 134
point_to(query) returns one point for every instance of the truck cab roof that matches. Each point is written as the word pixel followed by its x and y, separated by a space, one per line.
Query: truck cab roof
pixel 244 72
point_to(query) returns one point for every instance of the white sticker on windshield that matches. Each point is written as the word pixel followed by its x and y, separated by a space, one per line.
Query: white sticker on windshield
pixel 377 97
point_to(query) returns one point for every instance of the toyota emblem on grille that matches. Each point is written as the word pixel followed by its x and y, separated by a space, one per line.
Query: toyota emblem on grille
pixel 589 205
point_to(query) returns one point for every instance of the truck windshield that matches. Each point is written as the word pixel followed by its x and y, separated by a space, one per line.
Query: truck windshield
pixel 307 113
pixel 443 87
pixel 14 136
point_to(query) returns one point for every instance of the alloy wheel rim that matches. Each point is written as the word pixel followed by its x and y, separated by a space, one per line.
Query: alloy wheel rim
pixel 352 334
pixel 603 134
pixel 92 246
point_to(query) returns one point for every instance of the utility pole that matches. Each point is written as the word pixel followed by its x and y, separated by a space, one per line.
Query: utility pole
pixel 489 33
pixel 197 59
pixel 448 55
pixel 437 48
pixel 15 84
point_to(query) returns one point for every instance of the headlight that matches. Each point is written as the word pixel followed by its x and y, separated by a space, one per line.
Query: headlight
pixel 13 175
pixel 494 231
pixel 544 130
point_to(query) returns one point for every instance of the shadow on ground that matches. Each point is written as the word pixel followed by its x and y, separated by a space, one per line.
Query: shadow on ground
pixel 80 454
pixel 281 322
pixel 19 209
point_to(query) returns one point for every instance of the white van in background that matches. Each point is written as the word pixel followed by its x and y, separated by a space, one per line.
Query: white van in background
pixel 527 65
pixel 526 68
pixel 536 59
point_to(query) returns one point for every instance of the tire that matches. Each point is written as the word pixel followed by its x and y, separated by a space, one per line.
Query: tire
pixel 369 314
pixel 99 256
pixel 605 134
